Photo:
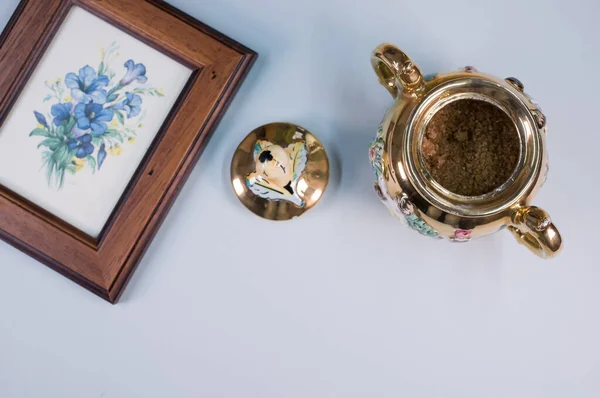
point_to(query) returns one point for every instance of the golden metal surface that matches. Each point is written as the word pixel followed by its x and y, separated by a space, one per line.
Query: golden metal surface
pixel 279 171
pixel 533 228
pixel 411 193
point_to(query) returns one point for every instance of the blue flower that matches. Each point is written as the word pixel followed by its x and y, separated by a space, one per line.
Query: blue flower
pixel 132 105
pixel 61 112
pixel 101 156
pixel 76 132
pixel 83 145
pixel 93 116
pixel 134 72
pixel 40 118
pixel 88 86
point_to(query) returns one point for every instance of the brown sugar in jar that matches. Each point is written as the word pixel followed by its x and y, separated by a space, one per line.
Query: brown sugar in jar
pixel 470 147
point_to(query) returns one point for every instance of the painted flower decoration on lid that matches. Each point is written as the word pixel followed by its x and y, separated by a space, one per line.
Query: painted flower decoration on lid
pixel 277 171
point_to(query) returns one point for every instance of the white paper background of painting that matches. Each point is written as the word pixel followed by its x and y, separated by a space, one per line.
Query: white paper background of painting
pixel 86 200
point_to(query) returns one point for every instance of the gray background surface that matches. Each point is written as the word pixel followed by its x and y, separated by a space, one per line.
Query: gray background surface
pixel 361 307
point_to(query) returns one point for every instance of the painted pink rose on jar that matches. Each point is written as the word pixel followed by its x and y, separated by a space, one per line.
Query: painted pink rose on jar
pixel 462 235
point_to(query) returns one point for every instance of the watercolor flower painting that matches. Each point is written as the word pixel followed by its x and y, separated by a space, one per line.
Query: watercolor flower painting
pixel 92 116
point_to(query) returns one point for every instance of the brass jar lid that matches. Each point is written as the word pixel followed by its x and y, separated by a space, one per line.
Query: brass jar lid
pixel 279 171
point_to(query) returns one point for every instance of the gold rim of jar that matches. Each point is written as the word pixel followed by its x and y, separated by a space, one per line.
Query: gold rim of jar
pixel 523 179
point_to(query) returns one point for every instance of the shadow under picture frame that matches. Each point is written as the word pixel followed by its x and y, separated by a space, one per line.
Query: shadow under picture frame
pixel 105 125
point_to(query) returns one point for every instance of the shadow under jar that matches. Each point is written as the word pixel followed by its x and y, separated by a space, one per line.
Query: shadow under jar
pixel 460 155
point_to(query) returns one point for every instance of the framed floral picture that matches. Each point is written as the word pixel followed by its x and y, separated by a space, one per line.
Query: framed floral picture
pixel 91 115
pixel 104 108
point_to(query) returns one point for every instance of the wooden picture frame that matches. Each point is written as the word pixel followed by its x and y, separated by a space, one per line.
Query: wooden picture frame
pixel 104 264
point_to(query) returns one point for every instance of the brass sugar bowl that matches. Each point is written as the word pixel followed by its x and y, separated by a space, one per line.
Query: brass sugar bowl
pixel 406 186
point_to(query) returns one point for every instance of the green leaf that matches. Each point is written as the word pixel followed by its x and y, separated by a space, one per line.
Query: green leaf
pixel 120 117
pixel 115 89
pixel 51 143
pixel 60 130
pixel 40 133
pixel 101 68
pixel 114 134
pixel 52 129
pixel 97 140
pixel 50 171
pixel 92 163
pixel 47 98
pixel 70 124
pixel 61 177
pixel 61 155
pixel 46 157
pixel 71 169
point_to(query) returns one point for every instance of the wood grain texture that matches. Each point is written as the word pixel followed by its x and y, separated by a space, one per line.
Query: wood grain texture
pixel 104 265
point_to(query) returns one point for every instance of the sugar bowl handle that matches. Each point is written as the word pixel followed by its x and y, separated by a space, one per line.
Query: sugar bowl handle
pixel 533 228
pixel 396 71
